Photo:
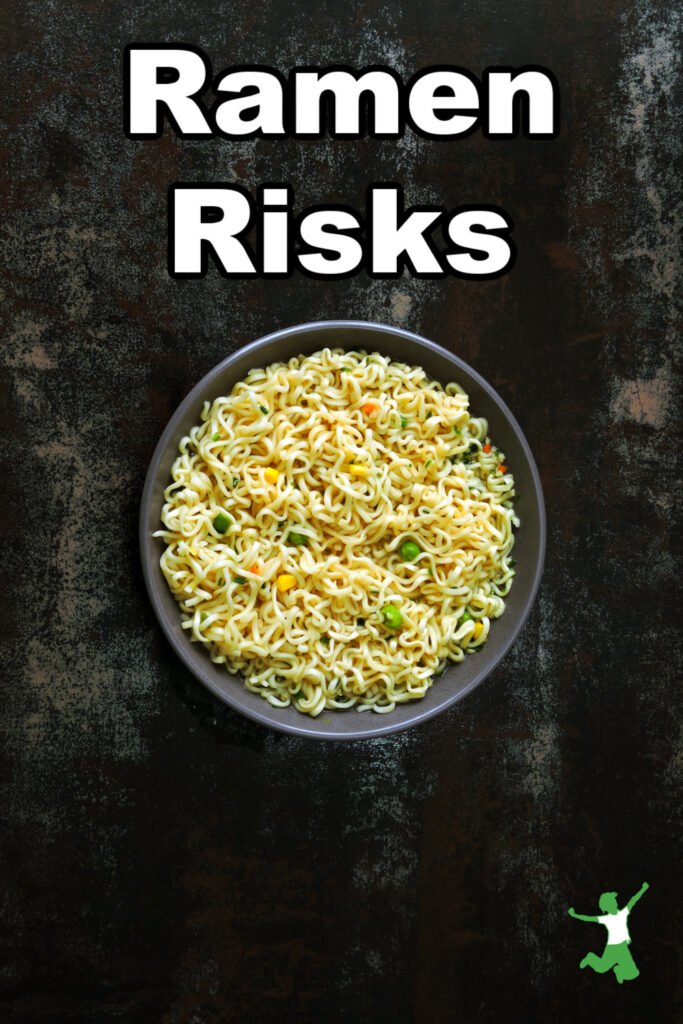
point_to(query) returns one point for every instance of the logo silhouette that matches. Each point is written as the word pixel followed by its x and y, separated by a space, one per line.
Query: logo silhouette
pixel 617 955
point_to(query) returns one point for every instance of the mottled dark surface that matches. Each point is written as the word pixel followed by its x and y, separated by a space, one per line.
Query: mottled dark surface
pixel 165 860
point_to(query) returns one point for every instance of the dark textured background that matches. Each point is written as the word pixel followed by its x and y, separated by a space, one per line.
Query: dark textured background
pixel 166 861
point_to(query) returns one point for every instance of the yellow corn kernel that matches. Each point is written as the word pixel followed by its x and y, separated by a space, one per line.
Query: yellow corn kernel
pixel 285 582
pixel 358 470
pixel 272 475
pixel 478 629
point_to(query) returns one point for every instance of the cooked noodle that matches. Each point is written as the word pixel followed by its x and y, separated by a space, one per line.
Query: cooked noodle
pixel 288 524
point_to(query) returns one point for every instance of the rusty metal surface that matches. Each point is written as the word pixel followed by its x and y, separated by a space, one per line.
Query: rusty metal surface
pixel 165 860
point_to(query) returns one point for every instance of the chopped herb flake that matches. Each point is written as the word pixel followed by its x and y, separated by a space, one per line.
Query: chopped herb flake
pixel 221 522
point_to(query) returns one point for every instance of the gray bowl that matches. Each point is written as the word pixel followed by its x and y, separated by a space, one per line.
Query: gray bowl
pixel 457 679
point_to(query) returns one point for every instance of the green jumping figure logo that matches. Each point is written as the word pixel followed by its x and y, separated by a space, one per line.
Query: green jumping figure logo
pixel 617 955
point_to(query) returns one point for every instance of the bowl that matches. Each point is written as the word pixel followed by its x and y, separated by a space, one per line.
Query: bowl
pixel 457 679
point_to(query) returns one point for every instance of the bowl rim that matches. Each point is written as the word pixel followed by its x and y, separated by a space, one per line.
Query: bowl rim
pixel 383 727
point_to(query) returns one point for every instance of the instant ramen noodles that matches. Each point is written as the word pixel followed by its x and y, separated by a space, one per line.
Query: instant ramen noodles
pixel 337 528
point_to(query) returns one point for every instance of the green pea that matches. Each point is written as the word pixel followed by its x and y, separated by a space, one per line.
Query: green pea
pixel 214 437
pixel 221 522
pixel 297 538
pixel 392 616
pixel 409 551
